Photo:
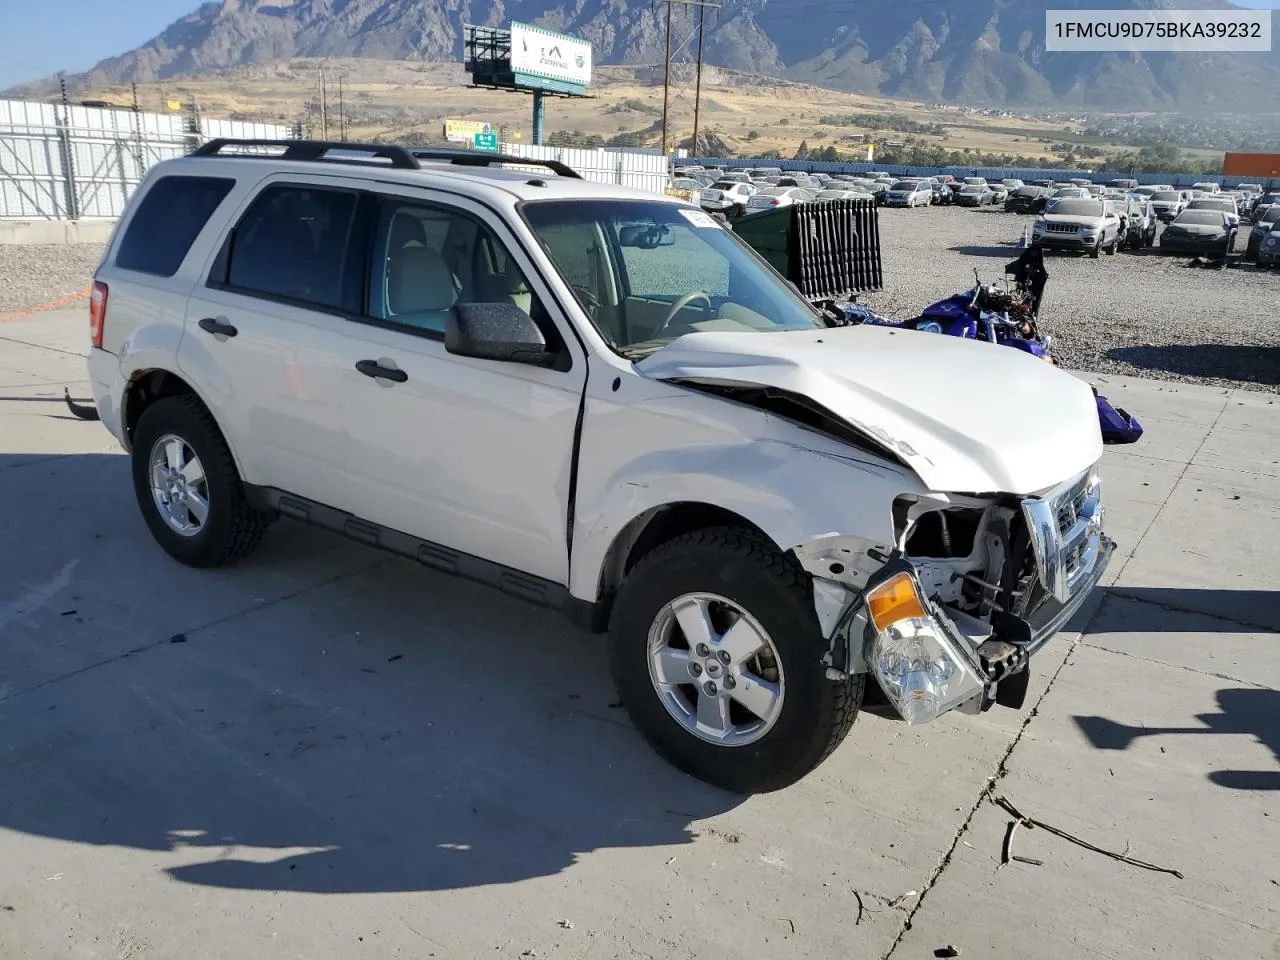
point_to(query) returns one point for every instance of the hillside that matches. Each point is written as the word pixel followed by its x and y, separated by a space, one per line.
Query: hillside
pixel 981 52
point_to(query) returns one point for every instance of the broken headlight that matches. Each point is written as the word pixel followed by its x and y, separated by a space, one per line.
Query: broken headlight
pixel 920 667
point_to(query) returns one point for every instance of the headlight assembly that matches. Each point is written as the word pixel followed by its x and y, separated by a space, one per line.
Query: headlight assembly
pixel 919 666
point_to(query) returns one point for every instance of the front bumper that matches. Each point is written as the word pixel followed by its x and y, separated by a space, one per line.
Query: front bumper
pixel 108 385
pixel 934 651
pixel 1192 245
pixel 1269 256
pixel 1064 241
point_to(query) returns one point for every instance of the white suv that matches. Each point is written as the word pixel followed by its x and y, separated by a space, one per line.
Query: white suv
pixel 599 400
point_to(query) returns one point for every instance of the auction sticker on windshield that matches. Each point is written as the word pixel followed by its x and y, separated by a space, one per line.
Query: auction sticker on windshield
pixel 700 219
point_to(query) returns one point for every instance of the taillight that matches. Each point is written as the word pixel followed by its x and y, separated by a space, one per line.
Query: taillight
pixel 775 203
pixel 97 312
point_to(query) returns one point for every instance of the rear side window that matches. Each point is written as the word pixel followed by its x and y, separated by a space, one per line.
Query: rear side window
pixel 292 243
pixel 169 218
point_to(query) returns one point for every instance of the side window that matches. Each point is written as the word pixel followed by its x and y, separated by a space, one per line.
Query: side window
pixel 655 271
pixel 428 258
pixel 168 219
pixel 292 242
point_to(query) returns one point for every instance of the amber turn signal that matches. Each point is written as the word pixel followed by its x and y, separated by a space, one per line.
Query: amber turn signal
pixel 895 599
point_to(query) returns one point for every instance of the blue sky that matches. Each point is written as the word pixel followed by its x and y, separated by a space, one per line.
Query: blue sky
pixel 41 37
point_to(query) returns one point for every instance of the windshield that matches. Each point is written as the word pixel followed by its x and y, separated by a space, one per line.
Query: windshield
pixel 1207 218
pixel 971 189
pixel 1270 215
pixel 1208 204
pixel 1027 192
pixel 1166 196
pixel 647 272
pixel 1077 208
pixel 907 185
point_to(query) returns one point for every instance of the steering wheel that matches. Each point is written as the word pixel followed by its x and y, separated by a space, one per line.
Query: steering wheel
pixel 683 302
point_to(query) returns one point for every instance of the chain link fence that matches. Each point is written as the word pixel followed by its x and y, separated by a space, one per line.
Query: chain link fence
pixel 59 161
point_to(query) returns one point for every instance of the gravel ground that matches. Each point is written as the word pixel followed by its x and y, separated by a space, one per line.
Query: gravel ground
pixel 34 275
pixel 1141 314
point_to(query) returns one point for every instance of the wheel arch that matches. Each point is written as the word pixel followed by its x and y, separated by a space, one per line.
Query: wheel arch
pixel 655 526
pixel 147 386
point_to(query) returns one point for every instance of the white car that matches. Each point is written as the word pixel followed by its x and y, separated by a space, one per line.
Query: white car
pixel 599 400
pixel 909 193
pixel 779 197
pixel 727 197
pixel 1168 203
pixel 1224 202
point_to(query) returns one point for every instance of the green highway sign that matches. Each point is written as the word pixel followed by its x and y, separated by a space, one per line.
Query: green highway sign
pixel 485 141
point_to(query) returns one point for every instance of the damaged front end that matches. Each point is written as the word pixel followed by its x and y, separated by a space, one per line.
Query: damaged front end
pixel 950 615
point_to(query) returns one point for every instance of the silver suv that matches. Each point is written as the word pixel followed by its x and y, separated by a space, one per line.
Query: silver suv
pixel 1074 223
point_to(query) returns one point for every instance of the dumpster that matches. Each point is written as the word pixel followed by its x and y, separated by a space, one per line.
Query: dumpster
pixel 830 251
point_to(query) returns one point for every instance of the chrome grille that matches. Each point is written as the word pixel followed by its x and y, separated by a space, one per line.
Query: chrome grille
pixel 1066 533
pixel 1061 227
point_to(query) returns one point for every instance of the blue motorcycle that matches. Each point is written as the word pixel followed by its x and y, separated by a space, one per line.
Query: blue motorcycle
pixel 1003 315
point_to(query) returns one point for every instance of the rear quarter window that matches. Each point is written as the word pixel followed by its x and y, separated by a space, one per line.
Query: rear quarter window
pixel 169 218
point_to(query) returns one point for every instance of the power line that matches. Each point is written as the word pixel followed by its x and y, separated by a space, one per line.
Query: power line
pixel 675 82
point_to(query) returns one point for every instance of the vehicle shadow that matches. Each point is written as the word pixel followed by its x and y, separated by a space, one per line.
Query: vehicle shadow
pixel 320 718
pixel 1238 611
pixel 1247 710
pixel 1009 251
pixel 1254 364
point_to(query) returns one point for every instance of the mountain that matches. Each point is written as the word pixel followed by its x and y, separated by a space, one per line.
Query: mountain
pixel 980 52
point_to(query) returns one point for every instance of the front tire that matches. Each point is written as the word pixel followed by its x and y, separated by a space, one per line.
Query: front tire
pixel 717 654
pixel 188 488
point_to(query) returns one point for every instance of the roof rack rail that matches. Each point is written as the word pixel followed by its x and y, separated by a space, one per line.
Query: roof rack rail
pixel 475 158
pixel 316 150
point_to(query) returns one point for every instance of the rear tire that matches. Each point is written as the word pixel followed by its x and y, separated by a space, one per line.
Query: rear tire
pixel 209 521
pixel 772 595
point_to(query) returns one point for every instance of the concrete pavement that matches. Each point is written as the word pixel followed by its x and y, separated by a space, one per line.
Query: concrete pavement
pixel 327 752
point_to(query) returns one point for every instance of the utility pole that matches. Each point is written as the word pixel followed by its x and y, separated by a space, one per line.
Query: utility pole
pixel 697 95
pixel 324 107
pixel 342 113
pixel 674 53
pixel 666 82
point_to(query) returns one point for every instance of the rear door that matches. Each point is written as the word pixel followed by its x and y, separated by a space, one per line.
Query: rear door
pixel 266 331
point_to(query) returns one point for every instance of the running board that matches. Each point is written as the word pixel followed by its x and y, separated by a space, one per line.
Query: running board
pixel 515 583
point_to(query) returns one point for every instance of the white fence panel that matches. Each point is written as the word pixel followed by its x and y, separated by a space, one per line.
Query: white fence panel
pixel 643 171
pixel 60 162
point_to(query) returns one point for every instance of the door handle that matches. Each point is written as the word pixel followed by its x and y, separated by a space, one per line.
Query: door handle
pixel 217 327
pixel 371 368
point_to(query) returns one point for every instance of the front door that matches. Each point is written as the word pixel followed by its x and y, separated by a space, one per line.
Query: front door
pixel 472 454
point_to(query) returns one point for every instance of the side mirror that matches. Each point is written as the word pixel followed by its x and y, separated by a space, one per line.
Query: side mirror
pixel 496 331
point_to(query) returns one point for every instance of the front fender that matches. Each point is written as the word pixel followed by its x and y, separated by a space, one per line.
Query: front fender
pixel 793 494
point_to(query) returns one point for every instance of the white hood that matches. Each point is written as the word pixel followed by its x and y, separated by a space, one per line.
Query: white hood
pixel 965 416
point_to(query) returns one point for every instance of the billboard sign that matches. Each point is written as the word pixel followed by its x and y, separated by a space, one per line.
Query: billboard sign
pixel 464 131
pixel 555 56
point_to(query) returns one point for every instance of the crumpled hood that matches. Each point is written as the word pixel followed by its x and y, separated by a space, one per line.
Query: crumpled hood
pixel 965 416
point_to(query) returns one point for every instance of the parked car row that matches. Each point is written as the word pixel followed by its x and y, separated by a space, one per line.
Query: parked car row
pixel 1072 215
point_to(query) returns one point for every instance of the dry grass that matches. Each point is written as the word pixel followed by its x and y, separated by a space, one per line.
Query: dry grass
pixel 389 99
